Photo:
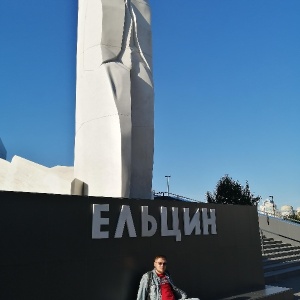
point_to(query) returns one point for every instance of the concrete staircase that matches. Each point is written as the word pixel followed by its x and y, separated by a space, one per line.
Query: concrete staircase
pixel 280 260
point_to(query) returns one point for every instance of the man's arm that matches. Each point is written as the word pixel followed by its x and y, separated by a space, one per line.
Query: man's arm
pixel 142 292
pixel 179 294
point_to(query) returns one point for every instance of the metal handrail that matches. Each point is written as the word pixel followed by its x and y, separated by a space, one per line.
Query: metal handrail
pixel 177 197
pixel 286 218
pixel 270 214
pixel 262 240
pixel 291 219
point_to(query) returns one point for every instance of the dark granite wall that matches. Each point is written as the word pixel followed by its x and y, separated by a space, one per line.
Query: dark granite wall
pixel 47 250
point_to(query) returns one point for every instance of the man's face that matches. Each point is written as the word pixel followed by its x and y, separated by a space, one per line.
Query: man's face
pixel 160 265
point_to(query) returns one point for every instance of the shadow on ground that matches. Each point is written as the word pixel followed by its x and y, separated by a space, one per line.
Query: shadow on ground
pixel 292 282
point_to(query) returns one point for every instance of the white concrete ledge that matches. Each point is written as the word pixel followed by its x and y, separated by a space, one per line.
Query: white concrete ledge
pixel 22 175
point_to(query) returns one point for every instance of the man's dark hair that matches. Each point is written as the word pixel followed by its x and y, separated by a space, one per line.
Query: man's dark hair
pixel 160 256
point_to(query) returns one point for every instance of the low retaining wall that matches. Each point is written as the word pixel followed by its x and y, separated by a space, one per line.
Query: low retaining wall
pixel 276 228
pixel 73 247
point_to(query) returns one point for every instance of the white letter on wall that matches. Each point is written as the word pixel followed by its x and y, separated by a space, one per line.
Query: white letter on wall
pixel 125 218
pixel 98 221
pixel 189 225
pixel 209 221
pixel 164 223
pixel 147 219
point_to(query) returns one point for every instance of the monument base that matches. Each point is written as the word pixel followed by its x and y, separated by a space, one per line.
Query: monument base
pixel 75 247
pixel 22 175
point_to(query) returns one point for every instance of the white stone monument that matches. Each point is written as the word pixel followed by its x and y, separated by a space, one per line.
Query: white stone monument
pixel 114 99
pixel 114 110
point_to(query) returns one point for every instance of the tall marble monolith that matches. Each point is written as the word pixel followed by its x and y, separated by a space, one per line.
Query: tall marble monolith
pixel 114 139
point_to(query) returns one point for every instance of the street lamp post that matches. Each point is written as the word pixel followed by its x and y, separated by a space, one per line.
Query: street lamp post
pixel 168 183
pixel 272 201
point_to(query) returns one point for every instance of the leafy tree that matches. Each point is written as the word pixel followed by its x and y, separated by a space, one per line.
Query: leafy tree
pixel 229 191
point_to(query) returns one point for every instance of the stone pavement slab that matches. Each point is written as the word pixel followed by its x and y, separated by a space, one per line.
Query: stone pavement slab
pixel 292 282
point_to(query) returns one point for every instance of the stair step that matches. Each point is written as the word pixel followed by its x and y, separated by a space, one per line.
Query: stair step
pixel 281 254
pixel 268 261
pixel 272 242
pixel 277 245
pixel 281 265
pixel 267 239
pixel 280 274
pixel 281 249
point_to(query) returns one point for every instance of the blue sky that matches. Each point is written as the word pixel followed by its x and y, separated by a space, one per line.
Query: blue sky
pixel 227 91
